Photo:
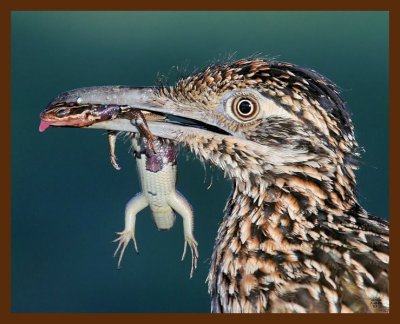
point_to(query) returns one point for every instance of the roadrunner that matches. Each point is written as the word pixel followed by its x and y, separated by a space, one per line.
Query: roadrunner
pixel 294 237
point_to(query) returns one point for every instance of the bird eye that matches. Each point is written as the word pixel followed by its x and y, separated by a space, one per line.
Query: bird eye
pixel 245 108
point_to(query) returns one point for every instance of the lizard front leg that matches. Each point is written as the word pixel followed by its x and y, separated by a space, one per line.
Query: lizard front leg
pixel 112 137
pixel 138 119
pixel 133 207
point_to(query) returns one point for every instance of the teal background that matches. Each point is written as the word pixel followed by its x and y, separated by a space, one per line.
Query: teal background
pixel 67 200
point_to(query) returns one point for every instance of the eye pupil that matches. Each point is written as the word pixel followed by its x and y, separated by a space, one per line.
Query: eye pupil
pixel 245 107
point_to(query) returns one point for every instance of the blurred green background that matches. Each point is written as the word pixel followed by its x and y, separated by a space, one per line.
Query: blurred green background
pixel 67 200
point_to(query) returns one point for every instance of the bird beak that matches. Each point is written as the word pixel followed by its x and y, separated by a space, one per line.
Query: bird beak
pixel 196 121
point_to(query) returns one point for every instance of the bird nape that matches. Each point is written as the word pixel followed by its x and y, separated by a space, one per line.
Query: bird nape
pixel 294 237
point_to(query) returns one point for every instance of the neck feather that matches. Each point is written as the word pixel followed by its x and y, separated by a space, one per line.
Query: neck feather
pixel 267 232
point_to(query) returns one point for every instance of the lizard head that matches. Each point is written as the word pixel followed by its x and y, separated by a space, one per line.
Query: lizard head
pixel 76 114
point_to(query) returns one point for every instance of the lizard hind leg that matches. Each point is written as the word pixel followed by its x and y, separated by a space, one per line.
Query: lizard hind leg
pixel 133 207
pixel 123 240
pixel 179 203
pixel 195 253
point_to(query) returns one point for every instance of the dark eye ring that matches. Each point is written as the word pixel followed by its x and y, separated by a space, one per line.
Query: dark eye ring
pixel 245 108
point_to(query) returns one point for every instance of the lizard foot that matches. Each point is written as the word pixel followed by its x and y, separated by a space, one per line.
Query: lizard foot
pixel 114 162
pixel 195 254
pixel 123 241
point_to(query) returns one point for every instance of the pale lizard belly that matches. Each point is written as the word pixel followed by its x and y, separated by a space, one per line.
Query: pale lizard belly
pixel 157 188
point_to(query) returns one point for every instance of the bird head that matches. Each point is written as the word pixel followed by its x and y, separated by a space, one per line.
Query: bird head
pixel 258 120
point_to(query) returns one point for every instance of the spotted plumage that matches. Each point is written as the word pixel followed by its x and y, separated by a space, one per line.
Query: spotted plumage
pixel 294 237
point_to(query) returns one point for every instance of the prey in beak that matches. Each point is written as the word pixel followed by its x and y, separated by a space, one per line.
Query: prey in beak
pixel 293 229
pixel 90 106
pixel 155 159
pixel 75 114
pixel 65 113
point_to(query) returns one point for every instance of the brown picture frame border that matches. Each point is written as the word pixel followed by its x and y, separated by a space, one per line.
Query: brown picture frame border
pixel 8 6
